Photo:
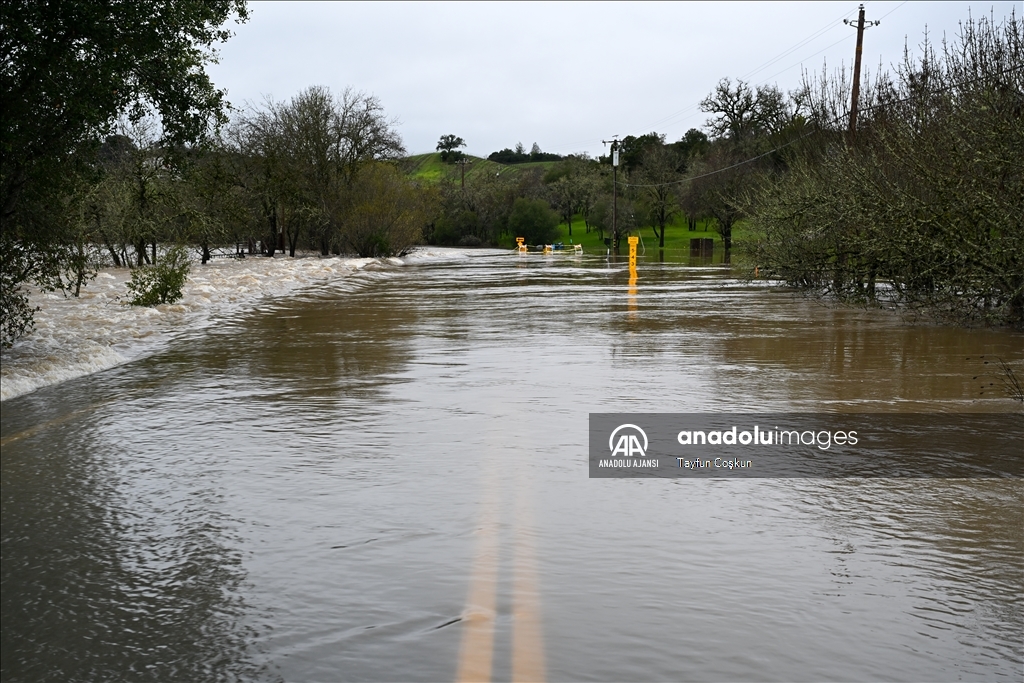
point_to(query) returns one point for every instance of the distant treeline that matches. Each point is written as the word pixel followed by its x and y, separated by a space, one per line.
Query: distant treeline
pixel 519 155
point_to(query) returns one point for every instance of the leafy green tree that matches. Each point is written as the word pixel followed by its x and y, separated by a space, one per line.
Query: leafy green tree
pixel 448 146
pixel 160 283
pixel 693 144
pixel 633 148
pixel 70 69
pixel 533 219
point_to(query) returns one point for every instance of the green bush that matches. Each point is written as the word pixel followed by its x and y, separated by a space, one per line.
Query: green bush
pixel 533 219
pixel 160 283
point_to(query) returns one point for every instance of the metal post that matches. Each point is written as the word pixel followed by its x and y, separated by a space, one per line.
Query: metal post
pixel 615 195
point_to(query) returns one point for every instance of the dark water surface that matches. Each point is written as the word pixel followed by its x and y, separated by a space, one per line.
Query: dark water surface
pixel 386 479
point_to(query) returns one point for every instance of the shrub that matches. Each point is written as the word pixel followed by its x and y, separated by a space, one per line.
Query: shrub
pixel 160 283
pixel 533 219
pixel 388 213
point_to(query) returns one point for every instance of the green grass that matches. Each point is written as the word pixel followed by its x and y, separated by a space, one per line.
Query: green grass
pixel 677 239
pixel 430 168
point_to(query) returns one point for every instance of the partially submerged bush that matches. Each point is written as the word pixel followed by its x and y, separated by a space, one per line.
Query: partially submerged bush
pixel 160 283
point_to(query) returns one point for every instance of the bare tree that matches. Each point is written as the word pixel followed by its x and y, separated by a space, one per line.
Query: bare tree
pixel 658 186
pixel 743 112
pixel 312 150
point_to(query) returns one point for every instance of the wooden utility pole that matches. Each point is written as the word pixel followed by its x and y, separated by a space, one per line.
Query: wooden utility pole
pixel 462 164
pixel 615 195
pixel 861 25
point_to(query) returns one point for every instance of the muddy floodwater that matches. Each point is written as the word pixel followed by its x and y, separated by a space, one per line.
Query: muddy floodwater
pixel 383 476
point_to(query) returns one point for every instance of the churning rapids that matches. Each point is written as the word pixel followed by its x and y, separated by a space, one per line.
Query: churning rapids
pixel 98 330
pixel 336 469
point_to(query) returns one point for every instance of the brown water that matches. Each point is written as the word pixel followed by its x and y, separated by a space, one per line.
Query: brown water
pixel 386 479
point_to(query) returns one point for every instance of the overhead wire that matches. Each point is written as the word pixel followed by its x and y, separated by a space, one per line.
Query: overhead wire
pixel 821 31
pixel 689 110
pixel 816 129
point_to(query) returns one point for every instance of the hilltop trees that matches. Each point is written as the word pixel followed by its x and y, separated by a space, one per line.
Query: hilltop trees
pixel 448 146
pixel 519 155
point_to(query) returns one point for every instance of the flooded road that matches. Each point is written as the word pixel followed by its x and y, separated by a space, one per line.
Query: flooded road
pixel 385 478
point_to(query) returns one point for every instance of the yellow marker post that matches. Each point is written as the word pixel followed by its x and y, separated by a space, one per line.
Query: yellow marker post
pixel 632 276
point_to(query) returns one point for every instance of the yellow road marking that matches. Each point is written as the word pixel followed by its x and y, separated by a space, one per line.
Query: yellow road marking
pixel 476 654
pixel 35 429
pixel 477 649
pixel 527 633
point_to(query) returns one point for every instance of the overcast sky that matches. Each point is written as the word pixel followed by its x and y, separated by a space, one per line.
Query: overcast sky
pixel 563 75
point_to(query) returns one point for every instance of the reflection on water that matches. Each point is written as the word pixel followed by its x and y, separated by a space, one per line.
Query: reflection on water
pixel 353 482
pixel 107 575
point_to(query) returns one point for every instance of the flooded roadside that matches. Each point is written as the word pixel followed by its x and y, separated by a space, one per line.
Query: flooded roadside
pixel 383 477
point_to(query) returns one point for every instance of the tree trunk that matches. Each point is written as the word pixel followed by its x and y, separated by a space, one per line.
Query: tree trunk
pixel 80 269
pixel 271 245
pixel 113 252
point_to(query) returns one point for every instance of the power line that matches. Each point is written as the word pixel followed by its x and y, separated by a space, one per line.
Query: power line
pixel 818 129
pixel 825 29
pixel 690 109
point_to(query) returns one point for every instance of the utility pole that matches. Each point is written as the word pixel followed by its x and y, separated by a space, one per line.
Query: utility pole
pixel 462 164
pixel 615 195
pixel 861 25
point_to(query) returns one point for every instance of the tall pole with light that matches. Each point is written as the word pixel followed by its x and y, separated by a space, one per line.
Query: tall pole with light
pixel 615 197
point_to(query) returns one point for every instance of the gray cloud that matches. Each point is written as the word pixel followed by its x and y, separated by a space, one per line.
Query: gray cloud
pixel 564 75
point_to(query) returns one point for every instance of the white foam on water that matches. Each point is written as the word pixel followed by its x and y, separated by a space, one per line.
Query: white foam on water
pixel 74 337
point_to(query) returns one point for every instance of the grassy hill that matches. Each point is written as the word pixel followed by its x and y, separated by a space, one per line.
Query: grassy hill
pixel 429 167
